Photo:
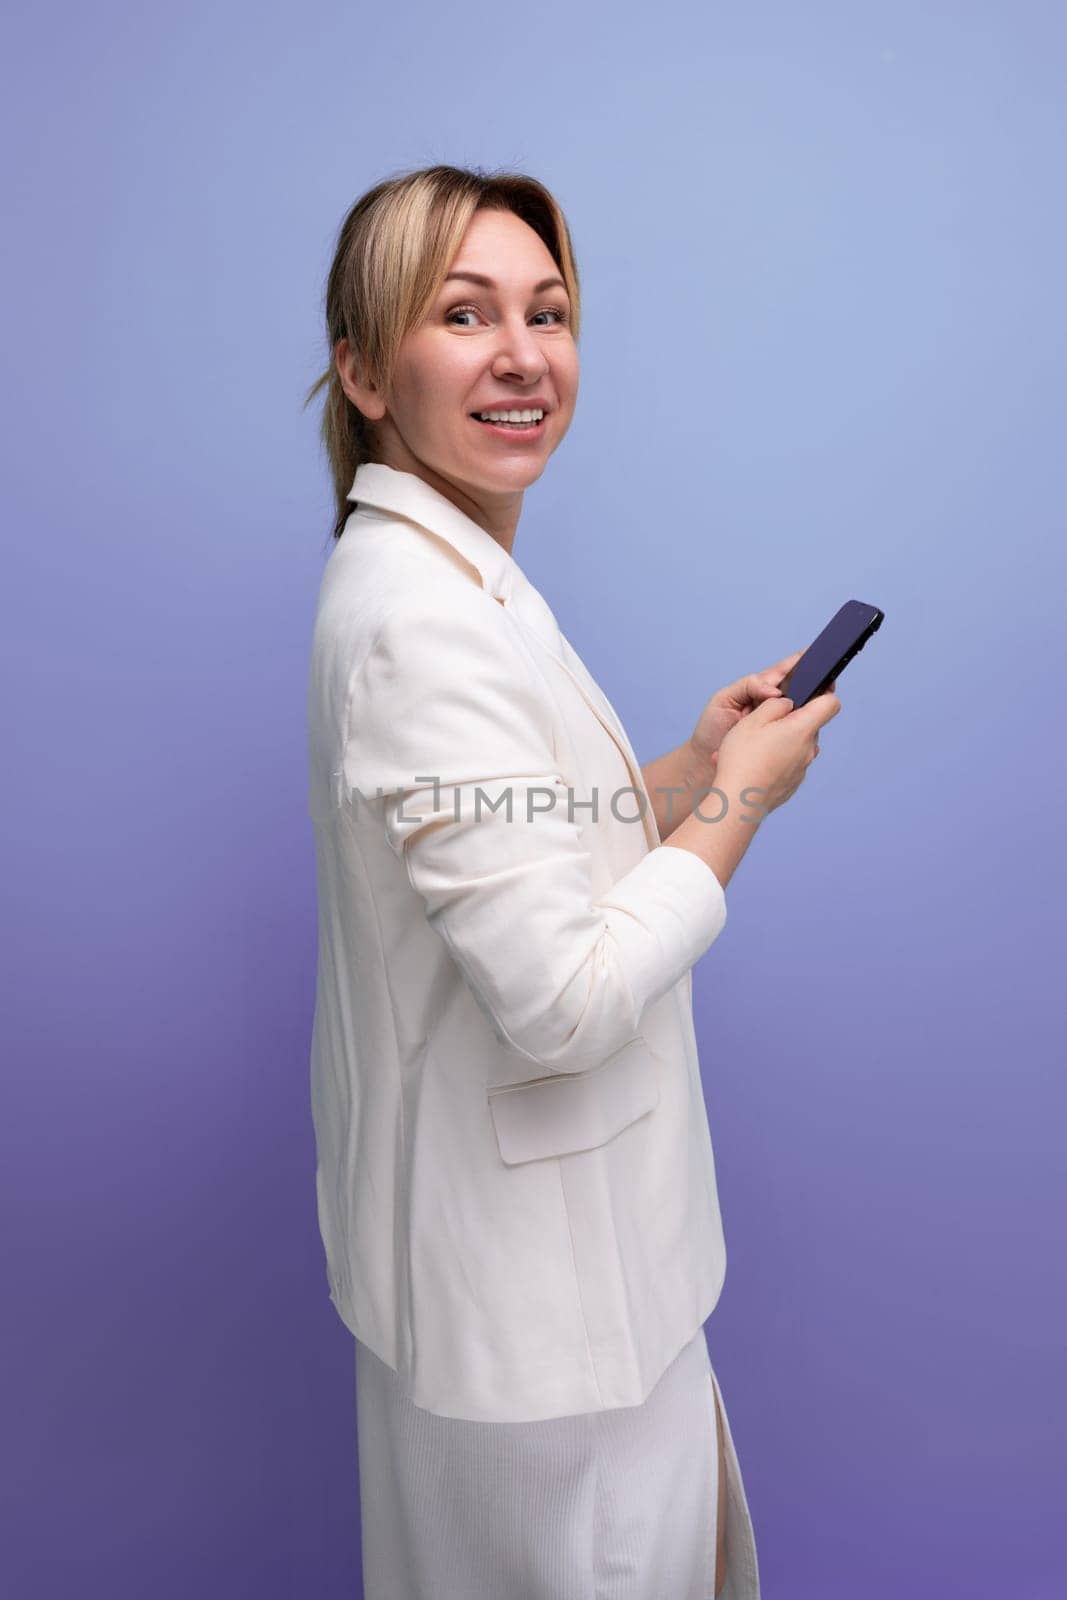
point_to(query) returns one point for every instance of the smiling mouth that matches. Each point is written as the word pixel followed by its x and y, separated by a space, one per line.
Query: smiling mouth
pixel 520 429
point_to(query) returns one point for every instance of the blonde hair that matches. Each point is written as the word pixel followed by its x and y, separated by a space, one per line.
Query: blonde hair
pixel 392 253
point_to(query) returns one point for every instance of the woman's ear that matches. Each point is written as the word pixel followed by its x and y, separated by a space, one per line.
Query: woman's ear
pixel 364 396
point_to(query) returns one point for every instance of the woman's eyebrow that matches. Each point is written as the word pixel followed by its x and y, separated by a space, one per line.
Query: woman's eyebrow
pixel 487 283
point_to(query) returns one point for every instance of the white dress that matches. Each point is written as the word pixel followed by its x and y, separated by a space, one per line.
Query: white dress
pixel 609 1505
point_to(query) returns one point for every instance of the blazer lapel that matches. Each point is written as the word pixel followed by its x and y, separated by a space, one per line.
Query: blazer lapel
pixel 406 495
pixel 532 613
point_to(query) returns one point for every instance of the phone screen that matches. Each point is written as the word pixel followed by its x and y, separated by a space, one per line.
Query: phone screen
pixel 827 656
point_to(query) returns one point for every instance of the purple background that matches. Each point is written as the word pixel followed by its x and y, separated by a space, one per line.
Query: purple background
pixel 823 253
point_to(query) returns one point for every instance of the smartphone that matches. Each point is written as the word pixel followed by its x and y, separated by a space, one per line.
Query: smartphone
pixel 827 656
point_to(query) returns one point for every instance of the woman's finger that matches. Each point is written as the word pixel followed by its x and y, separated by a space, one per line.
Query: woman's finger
pixel 780 668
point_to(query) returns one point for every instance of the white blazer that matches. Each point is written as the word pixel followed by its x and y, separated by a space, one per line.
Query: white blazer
pixel 515 1181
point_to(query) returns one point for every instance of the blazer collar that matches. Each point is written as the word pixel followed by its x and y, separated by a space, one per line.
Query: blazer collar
pixel 407 495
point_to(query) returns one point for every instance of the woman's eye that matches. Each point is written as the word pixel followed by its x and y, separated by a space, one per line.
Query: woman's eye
pixel 546 311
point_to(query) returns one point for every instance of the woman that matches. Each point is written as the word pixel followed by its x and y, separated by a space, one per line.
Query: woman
pixel 515 1179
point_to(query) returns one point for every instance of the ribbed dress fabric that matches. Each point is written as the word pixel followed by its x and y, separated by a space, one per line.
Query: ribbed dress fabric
pixel 609 1505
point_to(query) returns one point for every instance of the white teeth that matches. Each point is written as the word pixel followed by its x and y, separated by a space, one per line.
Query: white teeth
pixel 510 416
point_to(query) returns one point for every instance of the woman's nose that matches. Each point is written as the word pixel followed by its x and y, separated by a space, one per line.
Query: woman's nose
pixel 520 345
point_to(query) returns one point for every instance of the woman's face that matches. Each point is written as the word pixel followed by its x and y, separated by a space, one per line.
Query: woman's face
pixel 497 346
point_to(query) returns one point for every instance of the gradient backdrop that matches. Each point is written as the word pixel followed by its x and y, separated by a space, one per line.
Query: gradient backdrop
pixel 823 256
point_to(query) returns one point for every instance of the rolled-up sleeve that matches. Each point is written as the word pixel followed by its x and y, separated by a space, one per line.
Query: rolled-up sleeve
pixel 449 737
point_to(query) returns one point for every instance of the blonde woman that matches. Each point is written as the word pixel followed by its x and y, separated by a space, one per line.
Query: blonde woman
pixel 515 1181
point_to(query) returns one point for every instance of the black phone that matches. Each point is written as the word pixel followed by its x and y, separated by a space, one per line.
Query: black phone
pixel 827 656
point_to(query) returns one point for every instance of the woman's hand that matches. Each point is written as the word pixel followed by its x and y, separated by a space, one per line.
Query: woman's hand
pixel 725 710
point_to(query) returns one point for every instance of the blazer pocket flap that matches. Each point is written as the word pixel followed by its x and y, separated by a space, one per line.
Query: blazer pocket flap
pixel 571 1111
